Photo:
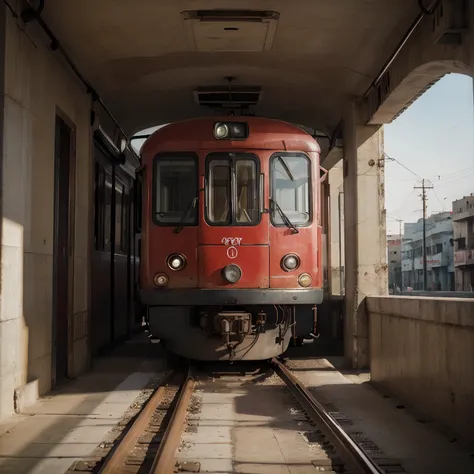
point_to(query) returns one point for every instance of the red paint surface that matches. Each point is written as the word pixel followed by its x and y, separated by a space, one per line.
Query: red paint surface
pixel 252 260
pixel 262 246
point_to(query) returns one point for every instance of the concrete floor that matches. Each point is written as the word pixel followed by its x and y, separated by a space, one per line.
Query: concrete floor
pixel 236 425
pixel 72 422
pixel 386 426
pixel 239 426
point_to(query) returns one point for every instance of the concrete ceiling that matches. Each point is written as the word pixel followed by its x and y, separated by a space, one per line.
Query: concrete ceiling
pixel 145 59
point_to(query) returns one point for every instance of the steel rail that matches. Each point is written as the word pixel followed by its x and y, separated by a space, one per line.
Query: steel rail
pixel 164 461
pixel 356 460
pixel 118 456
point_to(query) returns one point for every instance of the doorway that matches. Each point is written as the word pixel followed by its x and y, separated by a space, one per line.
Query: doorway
pixel 62 252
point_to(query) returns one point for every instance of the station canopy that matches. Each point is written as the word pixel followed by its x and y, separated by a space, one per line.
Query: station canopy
pixel 157 61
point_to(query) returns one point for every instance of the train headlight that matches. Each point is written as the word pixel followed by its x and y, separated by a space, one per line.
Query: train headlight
pixel 160 279
pixel 221 130
pixel 238 130
pixel 231 130
pixel 232 273
pixel 304 280
pixel 290 262
pixel 176 261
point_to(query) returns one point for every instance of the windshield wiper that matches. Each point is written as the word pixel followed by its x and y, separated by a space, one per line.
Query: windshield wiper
pixel 186 214
pixel 286 168
pixel 284 217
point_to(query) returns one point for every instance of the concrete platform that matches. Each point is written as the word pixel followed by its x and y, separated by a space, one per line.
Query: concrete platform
pixel 252 426
pixel 240 425
pixel 70 423
pixel 387 428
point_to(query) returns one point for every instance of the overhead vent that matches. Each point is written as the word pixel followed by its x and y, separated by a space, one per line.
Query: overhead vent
pixel 230 30
pixel 222 97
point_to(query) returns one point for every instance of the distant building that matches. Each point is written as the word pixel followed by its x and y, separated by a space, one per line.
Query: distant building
pixel 463 230
pixel 394 259
pixel 439 253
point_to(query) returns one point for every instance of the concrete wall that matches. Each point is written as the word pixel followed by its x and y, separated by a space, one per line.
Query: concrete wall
pixel 36 86
pixel 422 351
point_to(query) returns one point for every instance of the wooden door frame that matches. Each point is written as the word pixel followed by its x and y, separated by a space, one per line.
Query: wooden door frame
pixel 71 240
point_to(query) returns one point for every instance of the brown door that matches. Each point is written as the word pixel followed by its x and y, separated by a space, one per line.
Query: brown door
pixel 62 167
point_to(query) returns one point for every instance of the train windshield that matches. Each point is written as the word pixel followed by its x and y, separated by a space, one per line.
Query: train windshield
pixel 291 174
pixel 175 188
pixel 232 189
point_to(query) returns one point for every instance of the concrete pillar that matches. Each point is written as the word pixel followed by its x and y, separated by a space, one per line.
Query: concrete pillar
pixel 364 230
pixel 336 231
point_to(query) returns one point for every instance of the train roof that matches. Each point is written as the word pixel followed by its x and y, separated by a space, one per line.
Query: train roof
pixel 198 134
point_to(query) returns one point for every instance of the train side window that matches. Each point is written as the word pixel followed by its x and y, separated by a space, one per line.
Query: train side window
pixel 138 189
pixel 119 195
pixel 107 210
pixel 175 188
pixel 125 221
pixel 291 188
pixel 99 217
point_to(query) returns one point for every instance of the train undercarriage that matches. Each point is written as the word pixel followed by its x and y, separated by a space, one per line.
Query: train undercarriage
pixel 210 333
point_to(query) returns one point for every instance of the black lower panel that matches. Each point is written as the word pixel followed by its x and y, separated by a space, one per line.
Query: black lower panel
pixel 199 297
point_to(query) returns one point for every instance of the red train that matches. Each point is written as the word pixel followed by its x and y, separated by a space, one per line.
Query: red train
pixel 231 236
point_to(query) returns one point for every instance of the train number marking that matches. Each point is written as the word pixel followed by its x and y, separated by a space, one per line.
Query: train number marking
pixel 232 252
pixel 233 241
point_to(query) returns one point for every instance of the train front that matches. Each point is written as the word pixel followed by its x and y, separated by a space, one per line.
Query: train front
pixel 231 239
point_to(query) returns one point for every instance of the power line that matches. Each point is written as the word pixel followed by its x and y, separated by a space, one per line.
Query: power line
pixel 453 173
pixel 455 178
pixel 437 197
pixel 390 158
pixel 452 176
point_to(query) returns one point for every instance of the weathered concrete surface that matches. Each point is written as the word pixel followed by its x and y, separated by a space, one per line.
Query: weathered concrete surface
pixel 237 425
pixel 37 87
pixel 422 351
pixel 390 432
pixel 364 230
pixel 335 231
pixel 68 425
pixel 422 62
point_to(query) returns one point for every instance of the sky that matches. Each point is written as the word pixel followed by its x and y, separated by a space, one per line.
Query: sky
pixel 434 138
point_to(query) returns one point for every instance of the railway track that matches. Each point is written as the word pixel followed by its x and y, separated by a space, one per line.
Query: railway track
pixel 355 459
pixel 149 445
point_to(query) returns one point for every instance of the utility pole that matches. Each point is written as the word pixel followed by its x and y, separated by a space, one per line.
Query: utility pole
pixel 424 199
pixel 399 227
pixel 401 248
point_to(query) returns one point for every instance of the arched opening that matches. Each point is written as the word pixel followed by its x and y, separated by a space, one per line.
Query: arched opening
pixel 429 152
